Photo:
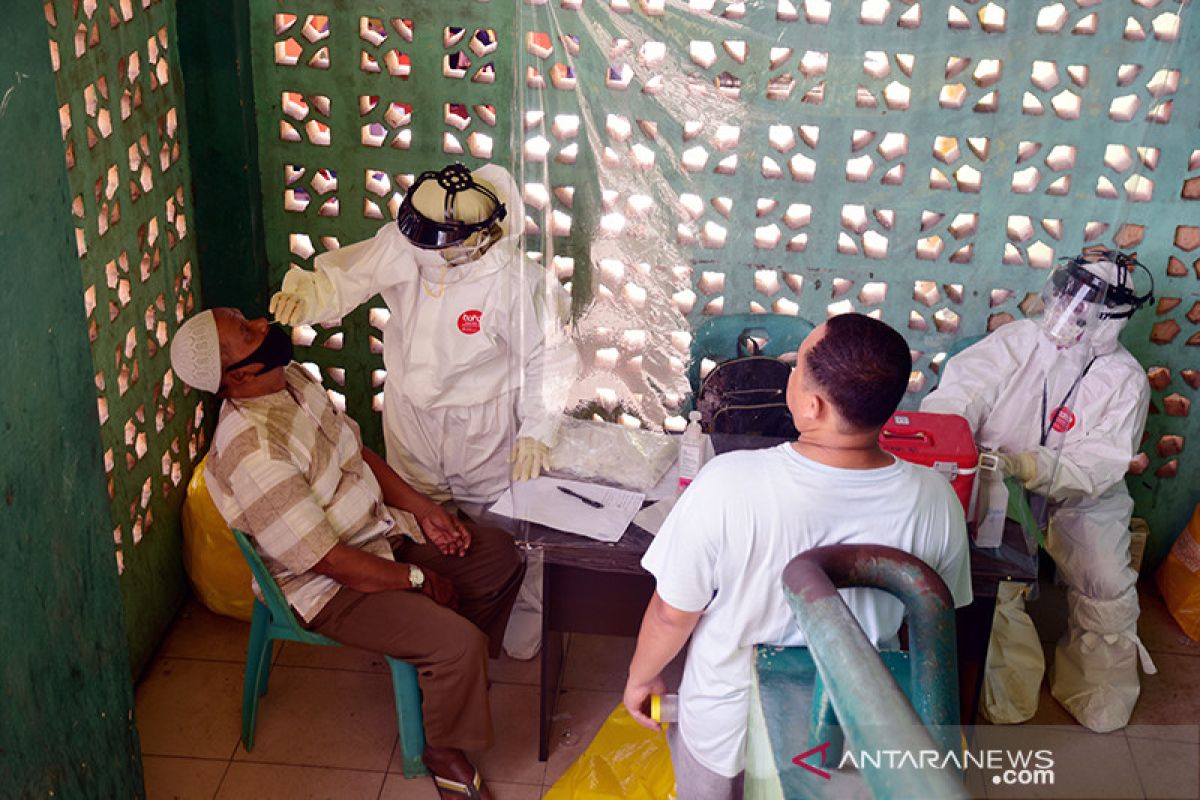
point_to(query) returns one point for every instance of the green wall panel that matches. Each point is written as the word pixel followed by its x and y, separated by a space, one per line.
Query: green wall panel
pixel 66 703
pixel 122 120
pixel 214 54
pixel 924 161
pixel 352 99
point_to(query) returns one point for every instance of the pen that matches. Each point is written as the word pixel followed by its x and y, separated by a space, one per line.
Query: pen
pixel 578 496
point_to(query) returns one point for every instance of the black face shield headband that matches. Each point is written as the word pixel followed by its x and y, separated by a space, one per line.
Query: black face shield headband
pixel 438 235
pixel 1120 294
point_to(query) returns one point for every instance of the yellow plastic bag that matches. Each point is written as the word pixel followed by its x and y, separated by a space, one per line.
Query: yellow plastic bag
pixel 1179 578
pixel 624 762
pixel 214 564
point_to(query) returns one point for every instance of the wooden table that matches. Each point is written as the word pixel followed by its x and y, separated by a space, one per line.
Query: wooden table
pixel 597 587
pixel 587 587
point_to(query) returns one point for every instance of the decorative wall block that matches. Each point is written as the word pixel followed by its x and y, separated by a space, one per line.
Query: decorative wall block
pixel 122 122
pixel 797 157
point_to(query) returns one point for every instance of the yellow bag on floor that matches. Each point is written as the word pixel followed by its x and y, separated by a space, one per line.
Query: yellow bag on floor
pixel 214 564
pixel 1179 578
pixel 624 762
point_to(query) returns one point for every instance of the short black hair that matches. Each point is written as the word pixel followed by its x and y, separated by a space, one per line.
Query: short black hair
pixel 862 365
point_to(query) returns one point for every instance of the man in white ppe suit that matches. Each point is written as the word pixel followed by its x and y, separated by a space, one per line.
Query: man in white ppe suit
pixel 1065 405
pixel 474 342
pixel 475 348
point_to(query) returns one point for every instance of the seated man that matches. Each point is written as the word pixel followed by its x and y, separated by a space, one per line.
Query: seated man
pixel 409 581
pixel 719 557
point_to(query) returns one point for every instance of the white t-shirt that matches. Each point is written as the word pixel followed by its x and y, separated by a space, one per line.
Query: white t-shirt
pixel 724 547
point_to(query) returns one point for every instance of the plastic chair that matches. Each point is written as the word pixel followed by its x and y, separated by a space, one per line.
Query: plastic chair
pixel 275 620
pixel 718 339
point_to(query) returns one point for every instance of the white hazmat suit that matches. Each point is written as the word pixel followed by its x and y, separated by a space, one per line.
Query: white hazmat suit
pixel 998 384
pixel 476 354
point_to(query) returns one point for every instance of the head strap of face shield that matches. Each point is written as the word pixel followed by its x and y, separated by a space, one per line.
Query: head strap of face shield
pixel 439 234
pixel 1117 295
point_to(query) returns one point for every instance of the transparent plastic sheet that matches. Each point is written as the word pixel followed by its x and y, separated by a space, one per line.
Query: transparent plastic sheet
pixel 614 454
pixel 925 163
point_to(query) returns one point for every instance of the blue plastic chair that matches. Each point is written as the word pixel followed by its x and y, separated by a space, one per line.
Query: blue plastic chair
pixel 275 620
pixel 721 338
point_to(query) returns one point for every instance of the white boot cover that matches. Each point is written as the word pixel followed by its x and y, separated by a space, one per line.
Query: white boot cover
pixel 1095 671
pixel 523 636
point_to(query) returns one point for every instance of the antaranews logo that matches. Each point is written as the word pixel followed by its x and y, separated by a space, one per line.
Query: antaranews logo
pixel 1007 766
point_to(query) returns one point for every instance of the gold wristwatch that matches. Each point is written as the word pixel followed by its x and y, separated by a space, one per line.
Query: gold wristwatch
pixel 416 577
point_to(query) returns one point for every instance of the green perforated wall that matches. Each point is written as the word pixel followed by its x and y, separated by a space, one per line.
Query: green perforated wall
pixel 351 101
pixel 122 120
pixel 922 161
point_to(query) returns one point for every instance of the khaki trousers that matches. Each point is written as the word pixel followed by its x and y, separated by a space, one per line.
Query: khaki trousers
pixel 449 649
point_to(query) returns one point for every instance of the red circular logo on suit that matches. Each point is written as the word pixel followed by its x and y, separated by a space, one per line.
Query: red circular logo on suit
pixel 1064 419
pixel 468 321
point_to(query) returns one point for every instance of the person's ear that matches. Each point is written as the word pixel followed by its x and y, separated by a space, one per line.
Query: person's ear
pixel 808 406
pixel 822 408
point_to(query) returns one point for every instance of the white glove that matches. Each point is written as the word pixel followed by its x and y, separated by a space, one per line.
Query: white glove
pixel 291 303
pixel 1022 466
pixel 529 458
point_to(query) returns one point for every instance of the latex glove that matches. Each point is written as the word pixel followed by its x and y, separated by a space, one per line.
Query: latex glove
pixel 529 458
pixel 288 309
pixel 291 303
pixel 1022 466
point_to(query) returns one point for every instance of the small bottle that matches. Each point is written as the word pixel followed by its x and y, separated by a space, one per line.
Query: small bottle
pixel 692 447
pixel 664 707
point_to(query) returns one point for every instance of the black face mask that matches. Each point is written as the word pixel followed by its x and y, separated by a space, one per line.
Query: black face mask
pixel 276 350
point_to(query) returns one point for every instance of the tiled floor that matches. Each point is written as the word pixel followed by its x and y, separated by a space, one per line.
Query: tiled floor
pixel 327 729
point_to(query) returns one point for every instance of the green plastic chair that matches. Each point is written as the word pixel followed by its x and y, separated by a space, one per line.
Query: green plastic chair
pixel 722 338
pixel 275 620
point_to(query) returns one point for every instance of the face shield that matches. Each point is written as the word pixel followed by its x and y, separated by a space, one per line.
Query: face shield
pixel 470 250
pixel 450 209
pixel 1073 299
pixel 1093 286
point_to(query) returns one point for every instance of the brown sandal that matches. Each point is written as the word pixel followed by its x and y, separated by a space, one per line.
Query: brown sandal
pixel 471 790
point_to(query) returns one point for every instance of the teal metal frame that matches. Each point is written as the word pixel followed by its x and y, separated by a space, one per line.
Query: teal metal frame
pixel 872 708
pixel 273 621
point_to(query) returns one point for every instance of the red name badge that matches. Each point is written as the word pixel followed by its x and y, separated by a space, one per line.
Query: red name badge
pixel 1064 419
pixel 468 321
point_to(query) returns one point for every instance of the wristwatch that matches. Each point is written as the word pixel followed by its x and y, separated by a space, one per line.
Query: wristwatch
pixel 415 576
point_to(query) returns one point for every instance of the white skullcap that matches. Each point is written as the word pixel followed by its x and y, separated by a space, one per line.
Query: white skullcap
pixel 196 352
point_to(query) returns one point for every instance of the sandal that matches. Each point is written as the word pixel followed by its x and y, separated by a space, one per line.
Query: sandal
pixel 467 790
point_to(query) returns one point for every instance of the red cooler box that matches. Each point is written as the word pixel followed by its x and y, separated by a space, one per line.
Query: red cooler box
pixel 940 441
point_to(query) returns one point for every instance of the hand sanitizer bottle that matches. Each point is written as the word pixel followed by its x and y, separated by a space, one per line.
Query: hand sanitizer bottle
pixel 692 446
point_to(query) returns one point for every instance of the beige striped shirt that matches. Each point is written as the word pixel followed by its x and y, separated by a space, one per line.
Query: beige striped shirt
pixel 287 469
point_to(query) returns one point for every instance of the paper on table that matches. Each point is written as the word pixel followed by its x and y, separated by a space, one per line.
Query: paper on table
pixel 651 518
pixel 540 500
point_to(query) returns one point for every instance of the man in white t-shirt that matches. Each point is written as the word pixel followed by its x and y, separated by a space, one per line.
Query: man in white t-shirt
pixel 719 557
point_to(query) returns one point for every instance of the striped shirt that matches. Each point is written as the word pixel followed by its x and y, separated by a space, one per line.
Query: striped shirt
pixel 287 469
